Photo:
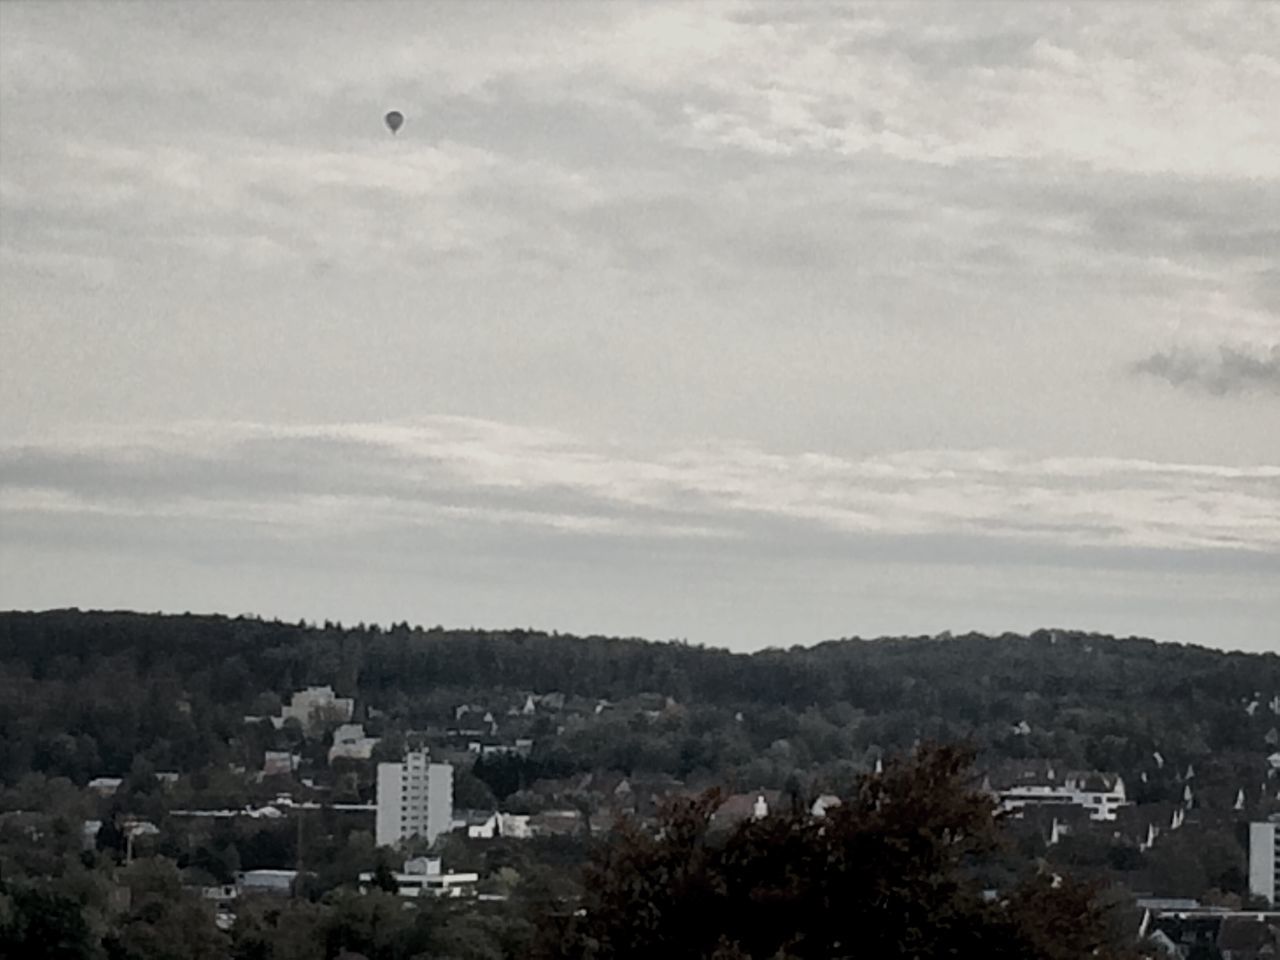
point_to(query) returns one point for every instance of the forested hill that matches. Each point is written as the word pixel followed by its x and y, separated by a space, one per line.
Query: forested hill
pixel 118 678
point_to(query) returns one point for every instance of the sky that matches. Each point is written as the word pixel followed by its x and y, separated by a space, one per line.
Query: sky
pixel 747 324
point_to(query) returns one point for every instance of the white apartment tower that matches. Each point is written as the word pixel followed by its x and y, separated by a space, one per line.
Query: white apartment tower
pixel 415 799
pixel 1264 853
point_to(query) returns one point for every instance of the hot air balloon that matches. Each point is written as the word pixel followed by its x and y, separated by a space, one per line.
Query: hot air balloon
pixel 394 119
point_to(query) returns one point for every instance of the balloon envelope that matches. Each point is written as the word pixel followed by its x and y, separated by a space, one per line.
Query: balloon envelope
pixel 395 119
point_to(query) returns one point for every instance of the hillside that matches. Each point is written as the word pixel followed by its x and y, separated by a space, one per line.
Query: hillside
pixel 86 692
pixel 558 727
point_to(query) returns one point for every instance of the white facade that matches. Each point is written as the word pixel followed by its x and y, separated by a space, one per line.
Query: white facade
pixel 1264 851
pixel 350 743
pixel 424 877
pixel 415 799
pixel 1102 804
pixel 511 825
pixel 824 803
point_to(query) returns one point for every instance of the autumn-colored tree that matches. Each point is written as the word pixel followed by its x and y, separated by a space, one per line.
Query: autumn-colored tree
pixel 889 873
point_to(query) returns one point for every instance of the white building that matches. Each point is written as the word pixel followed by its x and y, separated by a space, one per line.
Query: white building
pixel 423 877
pixel 415 799
pixel 350 743
pixel 105 786
pixel 512 825
pixel 1264 852
pixel 1101 797
pixel 824 803
pixel 316 708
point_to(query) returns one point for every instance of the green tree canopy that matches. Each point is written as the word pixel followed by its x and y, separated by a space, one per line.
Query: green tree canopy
pixel 890 873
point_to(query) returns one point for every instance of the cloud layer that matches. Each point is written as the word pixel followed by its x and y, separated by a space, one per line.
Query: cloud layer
pixel 883 299
pixel 303 481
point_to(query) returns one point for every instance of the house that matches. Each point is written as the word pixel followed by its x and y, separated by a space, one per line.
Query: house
pixel 350 743
pixel 552 701
pixel 512 825
pixel 744 806
pixel 823 804
pixel 494 750
pixel 280 762
pixel 317 709
pixel 424 877
pixel 1102 794
pixel 105 786
pixel 220 893
pixel 269 882
pixel 1229 934
pixel 89 834
pixel 556 823
pixel 140 828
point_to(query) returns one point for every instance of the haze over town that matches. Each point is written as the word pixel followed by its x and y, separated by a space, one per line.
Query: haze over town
pixel 751 324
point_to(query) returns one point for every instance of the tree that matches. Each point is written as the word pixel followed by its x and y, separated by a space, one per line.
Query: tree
pixel 891 872
pixel 164 922
pixel 37 922
pixel 384 878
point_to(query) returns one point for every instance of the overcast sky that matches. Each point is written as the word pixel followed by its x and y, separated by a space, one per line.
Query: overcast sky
pixel 749 324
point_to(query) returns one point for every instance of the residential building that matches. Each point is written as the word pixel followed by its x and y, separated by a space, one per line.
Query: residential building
pixel 1100 794
pixel 423 877
pixel 280 762
pixel 273 882
pixel 350 743
pixel 1264 853
pixel 744 806
pixel 415 799
pixel 316 708
pixel 512 825
pixel 824 803
pixel 556 823
pixel 105 786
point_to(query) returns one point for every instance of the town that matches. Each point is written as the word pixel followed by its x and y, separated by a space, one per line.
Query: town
pixel 474 798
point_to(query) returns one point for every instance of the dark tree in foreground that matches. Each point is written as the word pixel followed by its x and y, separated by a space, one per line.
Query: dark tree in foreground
pixel 890 873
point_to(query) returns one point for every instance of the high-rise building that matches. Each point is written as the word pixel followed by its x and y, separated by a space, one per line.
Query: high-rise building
pixel 415 799
pixel 1264 853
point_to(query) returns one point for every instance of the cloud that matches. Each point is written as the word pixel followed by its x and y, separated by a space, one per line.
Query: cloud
pixel 1232 370
pixel 459 473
